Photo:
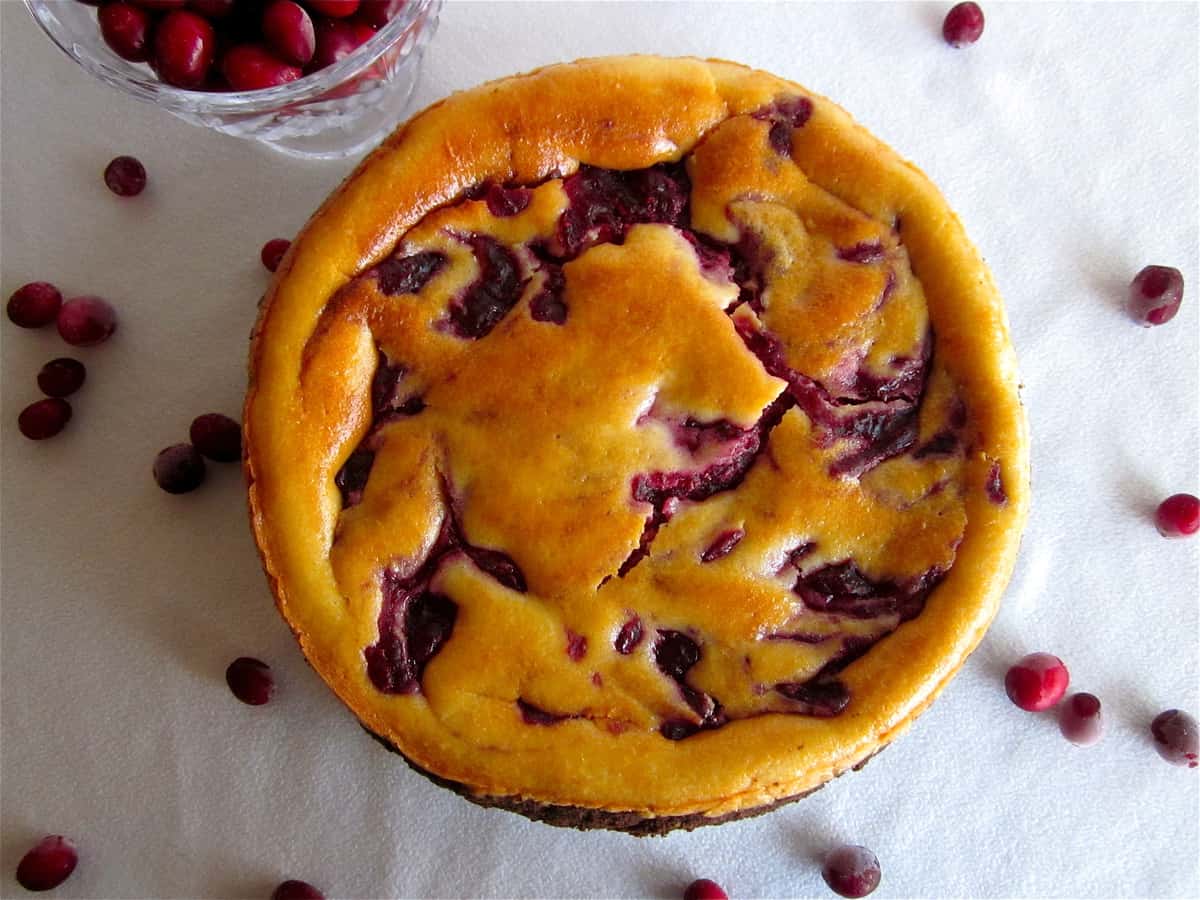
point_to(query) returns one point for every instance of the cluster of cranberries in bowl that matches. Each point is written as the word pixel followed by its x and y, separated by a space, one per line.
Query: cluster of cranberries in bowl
pixel 239 45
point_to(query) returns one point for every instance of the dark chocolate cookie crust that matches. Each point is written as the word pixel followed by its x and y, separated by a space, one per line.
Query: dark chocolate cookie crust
pixel 585 819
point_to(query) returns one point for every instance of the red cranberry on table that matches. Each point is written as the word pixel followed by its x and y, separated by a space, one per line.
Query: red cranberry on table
pixel 34 305
pixel 289 31
pixel 61 377
pixel 216 436
pixel 963 24
pixel 126 29
pixel 125 176
pixel 1177 738
pixel 48 863
pixel 851 871
pixel 273 251
pixel 296 890
pixel 1037 681
pixel 86 321
pixel 184 44
pixel 179 469
pixel 704 889
pixel 251 67
pixel 44 418
pixel 250 680
pixel 1155 295
pixel 1080 719
pixel 1178 516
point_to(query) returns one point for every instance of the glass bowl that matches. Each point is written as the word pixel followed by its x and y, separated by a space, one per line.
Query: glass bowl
pixel 336 112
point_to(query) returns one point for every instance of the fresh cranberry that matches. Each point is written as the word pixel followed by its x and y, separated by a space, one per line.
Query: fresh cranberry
pixel 250 680
pixel 161 4
pixel 704 889
pixel 1155 295
pixel 272 252
pixel 126 29
pixel 334 9
pixel 1178 516
pixel 337 40
pixel 251 67
pixel 48 864
pixel 851 871
pixel 379 12
pixel 61 377
pixel 184 44
pixel 86 321
pixel 289 31
pixel 296 890
pixel 963 25
pixel 125 176
pixel 34 305
pixel 44 418
pixel 1177 738
pixel 1080 719
pixel 216 436
pixel 1037 682
pixel 212 9
pixel 179 469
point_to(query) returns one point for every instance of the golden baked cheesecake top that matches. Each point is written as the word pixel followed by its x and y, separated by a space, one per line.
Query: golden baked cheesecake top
pixel 637 435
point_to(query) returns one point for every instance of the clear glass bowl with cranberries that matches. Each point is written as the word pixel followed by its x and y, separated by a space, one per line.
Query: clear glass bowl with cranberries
pixel 312 78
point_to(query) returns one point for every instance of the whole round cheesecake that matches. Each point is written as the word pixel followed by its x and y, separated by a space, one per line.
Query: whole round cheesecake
pixel 635 443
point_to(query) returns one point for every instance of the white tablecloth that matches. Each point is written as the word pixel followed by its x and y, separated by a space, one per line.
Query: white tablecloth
pixel 1067 141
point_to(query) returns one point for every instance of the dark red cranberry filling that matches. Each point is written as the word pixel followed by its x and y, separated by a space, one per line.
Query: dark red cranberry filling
pixel 351 479
pixel 995 487
pixel 723 545
pixel 408 274
pixel 842 588
pixel 785 115
pixel 488 300
pixel 576 645
pixel 605 204
pixel 629 636
pixel 503 202
pixel 533 715
pixel 865 253
pixel 816 698
pixel 548 305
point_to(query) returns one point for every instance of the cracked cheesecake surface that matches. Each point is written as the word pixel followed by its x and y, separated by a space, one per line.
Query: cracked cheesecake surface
pixel 636 436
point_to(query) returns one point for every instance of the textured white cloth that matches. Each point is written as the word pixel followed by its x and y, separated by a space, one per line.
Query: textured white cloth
pixel 1066 139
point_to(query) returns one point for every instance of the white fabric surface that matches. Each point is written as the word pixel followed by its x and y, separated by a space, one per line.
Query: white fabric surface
pixel 1066 140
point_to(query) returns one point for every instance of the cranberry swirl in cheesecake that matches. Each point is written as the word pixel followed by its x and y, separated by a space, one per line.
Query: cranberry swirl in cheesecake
pixel 635 443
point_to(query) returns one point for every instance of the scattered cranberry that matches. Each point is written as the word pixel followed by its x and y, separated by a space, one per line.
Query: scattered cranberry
pixel 1080 720
pixel 44 418
pixel 61 377
pixel 1155 295
pixel 851 871
pixel 1178 516
pixel 273 251
pixel 162 5
pixel 1177 738
pixel 184 44
pixel 34 305
pixel 48 864
pixel 126 29
pixel 704 889
pixel 296 890
pixel 1037 682
pixel 251 682
pixel 179 469
pixel 86 321
pixel 216 436
pixel 337 40
pixel 250 67
pixel 963 25
pixel 125 176
pixel 335 9
pixel 289 31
